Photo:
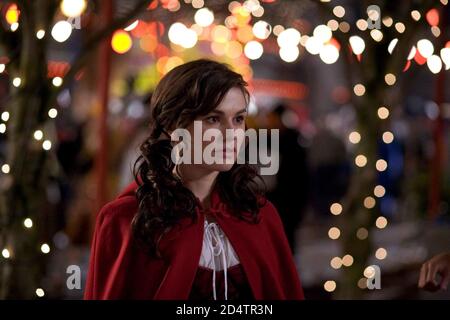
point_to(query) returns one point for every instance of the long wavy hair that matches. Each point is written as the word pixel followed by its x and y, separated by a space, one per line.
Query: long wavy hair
pixel 186 92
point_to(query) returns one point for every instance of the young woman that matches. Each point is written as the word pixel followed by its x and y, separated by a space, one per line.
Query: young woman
pixel 192 231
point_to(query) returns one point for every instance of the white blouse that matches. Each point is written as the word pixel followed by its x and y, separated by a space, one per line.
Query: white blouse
pixel 217 253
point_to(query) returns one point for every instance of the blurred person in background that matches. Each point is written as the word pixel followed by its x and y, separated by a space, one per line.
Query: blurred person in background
pixel 289 190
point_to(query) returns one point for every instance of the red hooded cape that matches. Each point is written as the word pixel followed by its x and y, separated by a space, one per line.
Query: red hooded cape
pixel 120 269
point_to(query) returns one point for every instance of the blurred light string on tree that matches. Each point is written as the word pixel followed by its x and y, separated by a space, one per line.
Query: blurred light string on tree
pixel 421 53
pixel 60 33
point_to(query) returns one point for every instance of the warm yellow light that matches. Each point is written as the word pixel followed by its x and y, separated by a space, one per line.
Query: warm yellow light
pixel 334 233
pixel 262 29
pixel 17 82
pixel 336 263
pixel 388 137
pixel 445 56
pixel 333 24
pixel 172 62
pixel 52 113
pixel 329 54
pixel 323 33
pixel 253 50
pixel 357 43
pixel 387 21
pixel 233 49
pixel 5 168
pixel 57 81
pixel 376 35
pixel 38 135
pixel 28 223
pixel 5 116
pixel 436 31
pixel 415 15
pixel 45 248
pixel 14 26
pixel 258 12
pixel 354 137
pixel 121 42
pixel 198 3
pixel 289 38
pixel 336 208
pixel 360 160
pixel 5 253
pixel 40 293
pixel 381 253
pixel 245 34
pixel 61 31
pixel 369 202
pixel 379 191
pixel 362 24
pixel 73 8
pixel 359 89
pixel 40 34
pixel 347 260
pixel 46 145
pixel 381 165
pixel 369 272
pixel 221 34
pixel 381 222
pixel 400 27
pixel 392 45
pixel 390 79
pixel 339 11
pixel 434 63
pixel 425 47
pixel 278 29
pixel 252 5
pixel 204 17
pixel 330 286
pixel 383 112
pixel 289 54
pixel 219 49
pixel 12 14
pixel 313 45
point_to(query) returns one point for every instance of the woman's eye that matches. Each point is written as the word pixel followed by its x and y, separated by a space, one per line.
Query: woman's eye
pixel 240 119
pixel 212 119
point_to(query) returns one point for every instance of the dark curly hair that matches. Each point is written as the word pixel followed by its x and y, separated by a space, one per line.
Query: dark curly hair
pixel 186 92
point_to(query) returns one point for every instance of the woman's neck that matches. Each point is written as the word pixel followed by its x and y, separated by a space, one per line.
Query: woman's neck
pixel 200 182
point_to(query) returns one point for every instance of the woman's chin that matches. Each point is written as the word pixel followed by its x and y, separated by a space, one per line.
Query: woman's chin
pixel 221 167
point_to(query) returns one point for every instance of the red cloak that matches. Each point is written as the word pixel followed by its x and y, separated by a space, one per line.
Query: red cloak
pixel 120 269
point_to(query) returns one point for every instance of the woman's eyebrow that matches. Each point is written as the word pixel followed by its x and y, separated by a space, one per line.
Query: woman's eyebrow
pixel 221 112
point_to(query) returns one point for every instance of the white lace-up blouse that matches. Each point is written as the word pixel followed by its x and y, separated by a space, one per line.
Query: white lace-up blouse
pixel 217 253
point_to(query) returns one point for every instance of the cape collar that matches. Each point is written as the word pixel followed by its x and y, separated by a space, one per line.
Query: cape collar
pixel 217 206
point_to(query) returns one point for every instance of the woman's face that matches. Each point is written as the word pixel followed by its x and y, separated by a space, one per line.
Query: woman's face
pixel 221 149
